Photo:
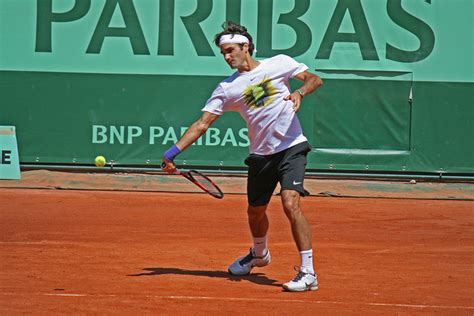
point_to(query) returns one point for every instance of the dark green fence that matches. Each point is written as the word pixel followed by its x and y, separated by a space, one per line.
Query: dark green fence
pixel 383 125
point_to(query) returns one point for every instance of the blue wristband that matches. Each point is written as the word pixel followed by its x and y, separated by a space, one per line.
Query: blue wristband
pixel 171 153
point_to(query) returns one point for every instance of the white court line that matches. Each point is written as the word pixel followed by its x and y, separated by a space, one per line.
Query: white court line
pixel 249 299
pixel 73 295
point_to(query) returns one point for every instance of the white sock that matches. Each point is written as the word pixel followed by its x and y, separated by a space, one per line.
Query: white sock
pixel 260 246
pixel 307 261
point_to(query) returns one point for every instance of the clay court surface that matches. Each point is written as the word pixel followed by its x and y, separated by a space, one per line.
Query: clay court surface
pixel 119 252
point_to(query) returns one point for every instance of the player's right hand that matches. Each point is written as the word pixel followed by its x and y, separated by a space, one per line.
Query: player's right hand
pixel 168 167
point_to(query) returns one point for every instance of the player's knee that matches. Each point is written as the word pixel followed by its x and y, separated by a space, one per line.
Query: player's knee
pixel 256 211
pixel 291 205
pixel 291 208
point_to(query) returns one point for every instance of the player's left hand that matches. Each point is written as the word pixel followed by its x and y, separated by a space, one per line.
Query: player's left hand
pixel 295 97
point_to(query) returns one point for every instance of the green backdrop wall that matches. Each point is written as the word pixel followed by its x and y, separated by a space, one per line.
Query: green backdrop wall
pixel 124 79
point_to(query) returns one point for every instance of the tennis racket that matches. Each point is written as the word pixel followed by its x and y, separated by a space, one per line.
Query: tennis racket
pixel 202 181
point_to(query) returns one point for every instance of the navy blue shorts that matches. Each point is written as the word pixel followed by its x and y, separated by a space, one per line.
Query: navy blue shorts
pixel 286 167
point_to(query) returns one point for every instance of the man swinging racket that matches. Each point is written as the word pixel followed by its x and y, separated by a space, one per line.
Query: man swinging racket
pixel 259 91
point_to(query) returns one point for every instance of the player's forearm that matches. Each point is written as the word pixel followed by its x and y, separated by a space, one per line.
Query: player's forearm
pixel 310 84
pixel 192 134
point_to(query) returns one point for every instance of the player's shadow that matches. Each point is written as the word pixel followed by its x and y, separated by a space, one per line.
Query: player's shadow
pixel 258 278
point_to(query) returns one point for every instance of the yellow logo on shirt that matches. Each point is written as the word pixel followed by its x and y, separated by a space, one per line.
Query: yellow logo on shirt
pixel 259 95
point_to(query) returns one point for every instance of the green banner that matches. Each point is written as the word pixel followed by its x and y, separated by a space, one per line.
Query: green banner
pixel 430 38
pixel 131 119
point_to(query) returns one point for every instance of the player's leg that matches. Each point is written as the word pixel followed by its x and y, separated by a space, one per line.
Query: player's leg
pixel 306 279
pixel 258 220
pixel 258 255
pixel 261 182
pixel 300 227
pixel 258 223
pixel 291 172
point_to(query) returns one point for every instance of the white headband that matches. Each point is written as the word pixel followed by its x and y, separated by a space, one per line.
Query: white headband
pixel 233 39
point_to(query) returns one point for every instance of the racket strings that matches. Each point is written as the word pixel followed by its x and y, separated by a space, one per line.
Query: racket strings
pixel 206 183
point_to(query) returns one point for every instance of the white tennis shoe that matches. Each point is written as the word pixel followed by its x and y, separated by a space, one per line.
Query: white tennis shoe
pixel 244 265
pixel 303 281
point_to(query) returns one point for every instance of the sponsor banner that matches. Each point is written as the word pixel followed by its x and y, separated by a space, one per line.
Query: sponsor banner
pixel 430 38
pixel 382 125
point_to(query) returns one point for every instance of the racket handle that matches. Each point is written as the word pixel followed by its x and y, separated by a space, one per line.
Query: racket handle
pixel 169 167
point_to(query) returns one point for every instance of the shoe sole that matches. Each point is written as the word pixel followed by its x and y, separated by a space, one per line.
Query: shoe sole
pixel 236 274
pixel 313 288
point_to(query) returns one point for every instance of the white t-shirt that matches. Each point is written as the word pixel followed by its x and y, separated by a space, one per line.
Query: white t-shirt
pixel 258 96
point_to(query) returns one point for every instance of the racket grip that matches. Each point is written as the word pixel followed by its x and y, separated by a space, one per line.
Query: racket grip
pixel 169 167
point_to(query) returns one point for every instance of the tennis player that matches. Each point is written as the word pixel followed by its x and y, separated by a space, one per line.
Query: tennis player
pixel 260 92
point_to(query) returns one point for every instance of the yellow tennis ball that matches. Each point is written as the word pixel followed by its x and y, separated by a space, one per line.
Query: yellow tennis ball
pixel 100 161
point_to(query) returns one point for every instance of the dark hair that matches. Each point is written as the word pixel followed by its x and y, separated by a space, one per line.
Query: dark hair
pixel 234 28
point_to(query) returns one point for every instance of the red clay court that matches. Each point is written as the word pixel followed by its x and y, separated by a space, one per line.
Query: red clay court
pixel 381 248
